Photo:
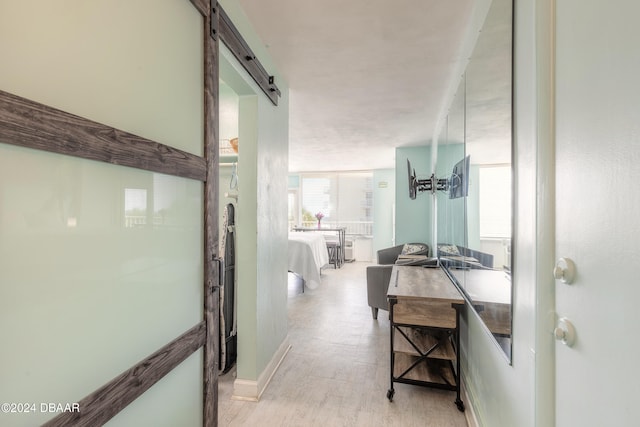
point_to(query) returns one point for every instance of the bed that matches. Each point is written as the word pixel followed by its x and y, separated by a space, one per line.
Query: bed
pixel 307 255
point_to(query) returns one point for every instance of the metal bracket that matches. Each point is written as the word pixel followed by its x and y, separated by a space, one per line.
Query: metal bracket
pixel 442 184
pixel 214 18
pixel 424 184
pixel 432 184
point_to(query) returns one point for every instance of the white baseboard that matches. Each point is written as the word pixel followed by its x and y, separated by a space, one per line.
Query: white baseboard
pixel 252 390
pixel 469 413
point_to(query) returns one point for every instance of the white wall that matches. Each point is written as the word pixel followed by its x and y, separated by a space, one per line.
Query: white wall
pixel 82 297
pixel 504 394
pixel 384 195
pixel 597 139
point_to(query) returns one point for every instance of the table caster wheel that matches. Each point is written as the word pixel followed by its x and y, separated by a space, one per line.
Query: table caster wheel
pixel 390 394
pixel 460 405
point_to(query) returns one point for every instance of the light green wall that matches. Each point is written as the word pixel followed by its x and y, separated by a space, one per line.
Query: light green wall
pixel 82 296
pixel 229 108
pixel 458 220
pixel 247 243
pixel 413 217
pixel 451 212
pixel 272 217
pixel 262 208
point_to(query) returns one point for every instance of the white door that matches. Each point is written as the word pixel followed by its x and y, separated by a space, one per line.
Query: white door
pixel 598 210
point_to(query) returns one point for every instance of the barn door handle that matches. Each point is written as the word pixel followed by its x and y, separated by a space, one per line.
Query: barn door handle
pixel 220 262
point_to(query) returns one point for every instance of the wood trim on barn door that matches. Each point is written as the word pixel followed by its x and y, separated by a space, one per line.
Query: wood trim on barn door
pixel 211 229
pixel 36 126
pixel 33 125
pixel 107 401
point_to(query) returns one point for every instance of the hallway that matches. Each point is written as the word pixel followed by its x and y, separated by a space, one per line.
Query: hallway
pixel 337 371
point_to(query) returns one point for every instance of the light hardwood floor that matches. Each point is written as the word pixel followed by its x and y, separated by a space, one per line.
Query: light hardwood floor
pixel 337 371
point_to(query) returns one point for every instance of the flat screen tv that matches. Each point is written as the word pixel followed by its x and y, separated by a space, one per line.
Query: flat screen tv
pixel 413 183
pixel 459 180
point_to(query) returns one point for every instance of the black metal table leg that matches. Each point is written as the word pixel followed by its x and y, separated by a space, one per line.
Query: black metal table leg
pixel 391 391
pixel 459 402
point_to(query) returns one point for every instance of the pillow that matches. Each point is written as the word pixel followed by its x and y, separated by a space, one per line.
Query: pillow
pixel 448 249
pixel 414 249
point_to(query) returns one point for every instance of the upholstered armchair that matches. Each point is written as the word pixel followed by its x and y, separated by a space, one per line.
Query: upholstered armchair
pixel 378 276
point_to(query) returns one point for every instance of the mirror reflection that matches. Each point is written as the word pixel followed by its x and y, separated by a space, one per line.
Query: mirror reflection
pixel 474 215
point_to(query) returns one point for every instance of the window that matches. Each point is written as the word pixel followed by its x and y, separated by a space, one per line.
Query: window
pixel 317 192
pixel 495 201
pixel 345 199
pixel 135 207
pixel 292 198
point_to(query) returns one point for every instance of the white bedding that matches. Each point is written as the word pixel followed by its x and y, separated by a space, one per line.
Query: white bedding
pixel 307 255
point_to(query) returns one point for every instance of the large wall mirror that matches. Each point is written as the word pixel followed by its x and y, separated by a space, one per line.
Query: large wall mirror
pixel 474 214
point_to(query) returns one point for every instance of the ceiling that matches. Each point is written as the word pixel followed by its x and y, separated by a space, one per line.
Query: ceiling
pixel 365 76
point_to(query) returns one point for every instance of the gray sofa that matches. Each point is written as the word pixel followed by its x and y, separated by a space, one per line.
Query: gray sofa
pixel 378 276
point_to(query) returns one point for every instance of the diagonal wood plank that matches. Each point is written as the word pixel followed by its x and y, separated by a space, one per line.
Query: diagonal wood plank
pixel 30 124
pixel 104 403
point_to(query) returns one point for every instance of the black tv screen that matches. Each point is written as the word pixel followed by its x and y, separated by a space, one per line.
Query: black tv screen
pixel 413 185
pixel 459 180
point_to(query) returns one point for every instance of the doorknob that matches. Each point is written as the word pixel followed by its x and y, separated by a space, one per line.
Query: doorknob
pixel 565 332
pixel 565 270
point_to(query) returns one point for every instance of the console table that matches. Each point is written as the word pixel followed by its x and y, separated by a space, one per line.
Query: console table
pixel 424 313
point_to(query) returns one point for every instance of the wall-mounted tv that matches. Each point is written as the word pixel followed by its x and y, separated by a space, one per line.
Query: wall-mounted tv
pixel 459 180
pixel 413 183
